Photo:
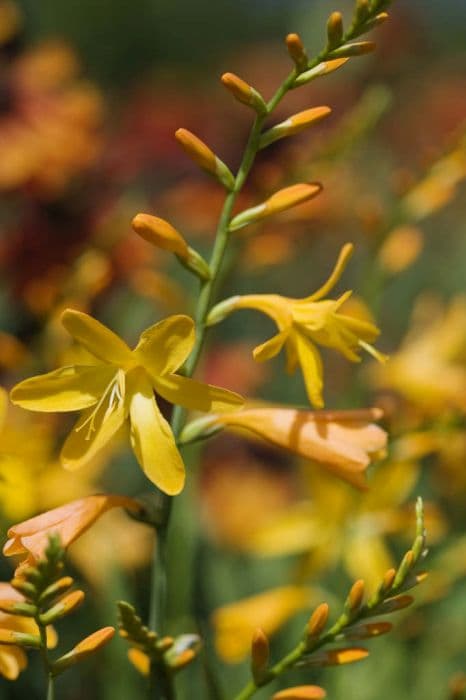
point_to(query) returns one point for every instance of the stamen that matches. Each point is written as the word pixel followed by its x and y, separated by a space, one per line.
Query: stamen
pixel 116 388
pixel 380 356
pixel 345 254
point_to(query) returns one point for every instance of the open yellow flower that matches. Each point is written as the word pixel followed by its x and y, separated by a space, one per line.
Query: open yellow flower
pixel 120 384
pixel 306 323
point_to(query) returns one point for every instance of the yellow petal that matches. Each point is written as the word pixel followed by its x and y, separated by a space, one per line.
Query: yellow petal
pixel 12 661
pixel 152 438
pixel 195 395
pixel 164 347
pixel 271 347
pixel 343 257
pixel 275 306
pixel 95 337
pixel 97 425
pixel 311 366
pixel 65 389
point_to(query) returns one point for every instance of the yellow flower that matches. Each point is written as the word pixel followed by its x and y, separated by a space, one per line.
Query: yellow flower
pixel 428 369
pixel 120 384
pixel 235 623
pixel 305 323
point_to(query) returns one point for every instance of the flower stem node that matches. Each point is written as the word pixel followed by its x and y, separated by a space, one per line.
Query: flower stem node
pixel 280 201
pixel 244 93
pixel 294 125
pixel 205 158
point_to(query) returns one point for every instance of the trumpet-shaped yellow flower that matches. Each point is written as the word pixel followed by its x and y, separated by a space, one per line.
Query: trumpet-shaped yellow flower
pixel 304 324
pixel 120 385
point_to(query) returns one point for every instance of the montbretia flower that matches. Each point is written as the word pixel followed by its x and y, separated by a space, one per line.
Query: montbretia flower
pixel 304 324
pixel 120 384
pixel 345 442
pixel 32 536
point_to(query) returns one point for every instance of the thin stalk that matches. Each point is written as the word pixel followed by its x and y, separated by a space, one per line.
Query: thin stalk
pixel 45 660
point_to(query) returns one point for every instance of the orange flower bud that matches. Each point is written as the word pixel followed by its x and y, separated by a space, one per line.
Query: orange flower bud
pixel 160 233
pixel 301 692
pixel 371 629
pixel 21 639
pixel 14 607
pixel 388 579
pixel 243 92
pixel 321 69
pixel 64 606
pixel 335 657
pixel 297 51
pixel 204 157
pixel 56 589
pixel 355 596
pixel 358 48
pixel 294 124
pixel 334 30
pixel 259 654
pixel 278 202
pixel 317 621
pixel 85 648
pixel 401 248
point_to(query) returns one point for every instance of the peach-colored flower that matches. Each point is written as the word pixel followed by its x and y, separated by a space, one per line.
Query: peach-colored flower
pixel 69 522
pixel 343 441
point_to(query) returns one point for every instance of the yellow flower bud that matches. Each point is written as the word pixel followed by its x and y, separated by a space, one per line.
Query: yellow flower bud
pixel 160 233
pixel 85 648
pixel 358 48
pixel 204 157
pixel 301 692
pixel 388 579
pixel 15 607
pixel 294 124
pixel 64 606
pixel 401 248
pixel 297 51
pixel 243 92
pixel 335 657
pixel 278 202
pixel 21 639
pixel 321 69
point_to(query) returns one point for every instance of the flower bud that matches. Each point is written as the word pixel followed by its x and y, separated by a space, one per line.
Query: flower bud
pixel 160 233
pixel 301 692
pixel 355 597
pixel 293 125
pixel 56 589
pixel 280 201
pixel 334 657
pixel 404 568
pixel 322 68
pixel 15 607
pixel 182 651
pixel 393 604
pixel 334 30
pixel 22 586
pixel 359 48
pixel 317 622
pixel 244 93
pixel 260 653
pixel 64 606
pixel 367 631
pixel 21 639
pixel 85 648
pixel 297 51
pixel 204 157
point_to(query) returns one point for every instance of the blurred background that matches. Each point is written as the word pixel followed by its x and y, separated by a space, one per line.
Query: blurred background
pixel 91 94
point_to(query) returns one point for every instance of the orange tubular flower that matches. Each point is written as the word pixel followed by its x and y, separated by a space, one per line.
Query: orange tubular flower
pixel 343 441
pixel 69 522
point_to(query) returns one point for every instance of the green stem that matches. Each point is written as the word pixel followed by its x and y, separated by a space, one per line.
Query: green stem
pixel 50 688
pixel 45 660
